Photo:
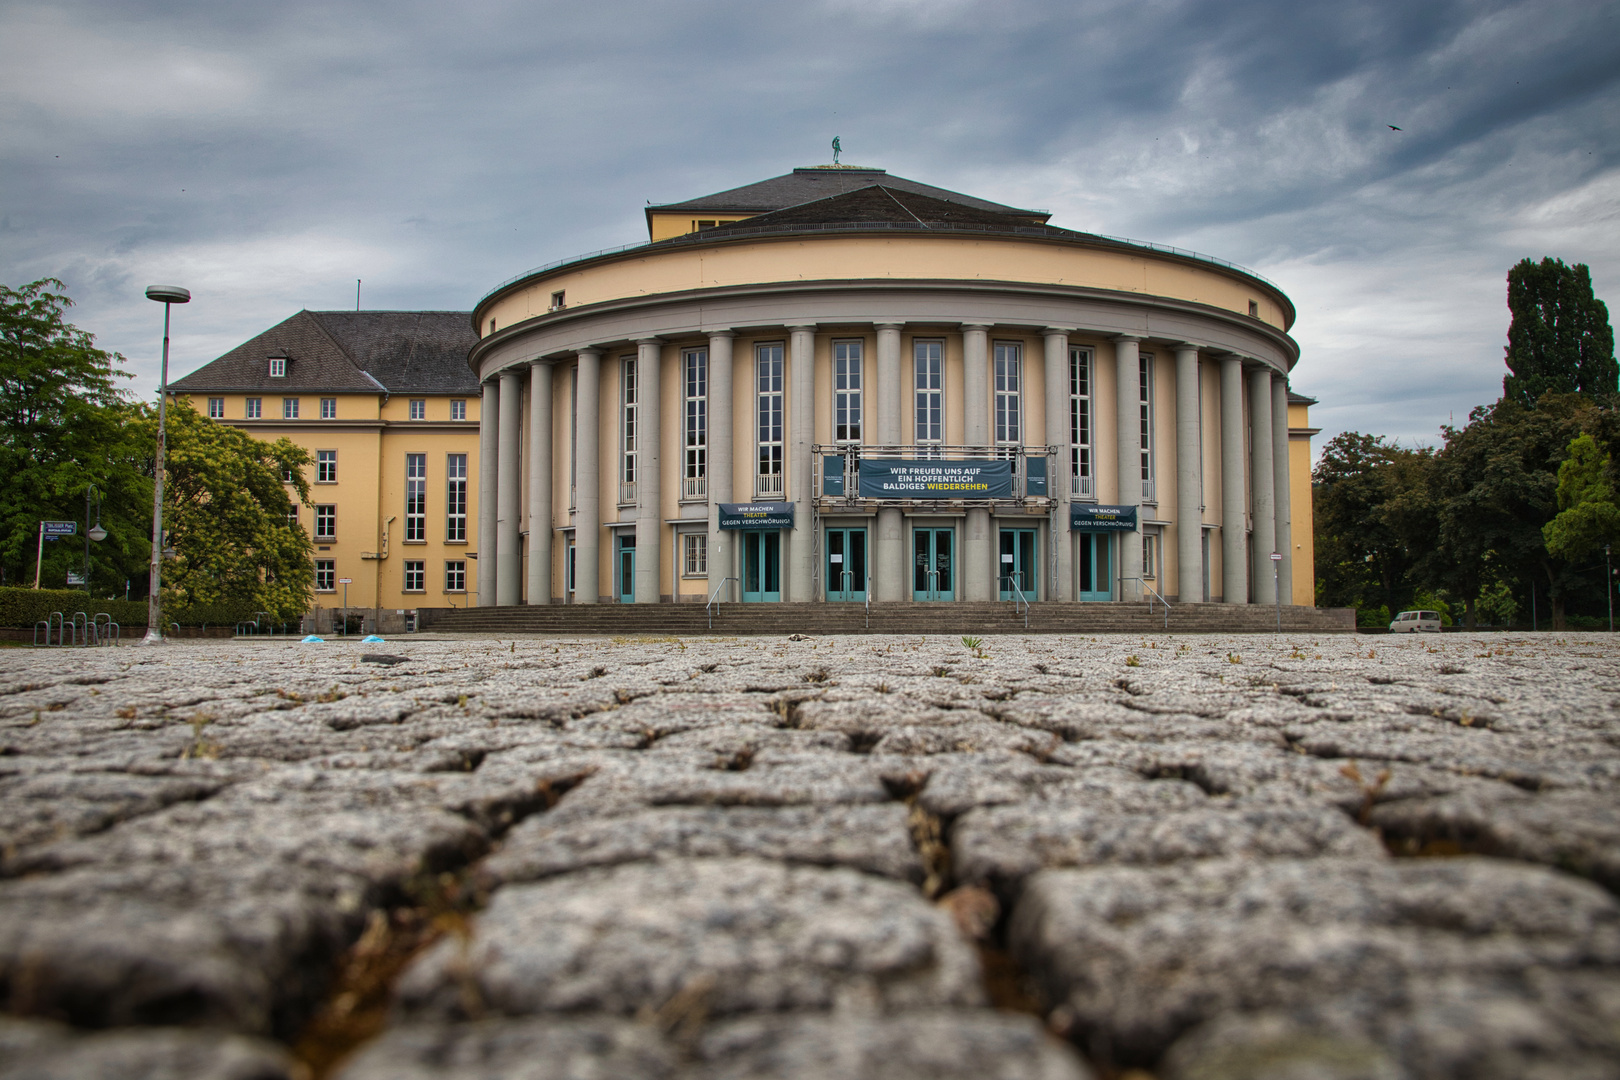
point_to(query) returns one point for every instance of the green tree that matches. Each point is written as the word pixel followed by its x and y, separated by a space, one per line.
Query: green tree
pixel 229 519
pixel 1560 340
pixel 65 424
pixel 1587 515
pixel 1370 503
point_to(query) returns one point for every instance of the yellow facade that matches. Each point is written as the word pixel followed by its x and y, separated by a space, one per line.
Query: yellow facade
pixel 371 436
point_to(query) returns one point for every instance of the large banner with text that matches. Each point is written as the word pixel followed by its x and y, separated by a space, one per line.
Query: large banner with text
pixel 889 479
pixel 756 515
pixel 1107 518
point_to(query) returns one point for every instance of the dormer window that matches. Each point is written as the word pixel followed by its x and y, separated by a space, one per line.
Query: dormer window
pixel 278 367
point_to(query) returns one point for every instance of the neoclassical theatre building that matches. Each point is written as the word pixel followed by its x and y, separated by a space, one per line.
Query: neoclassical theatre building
pixel 841 385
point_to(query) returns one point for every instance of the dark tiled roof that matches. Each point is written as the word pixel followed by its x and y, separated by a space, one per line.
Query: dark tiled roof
pixel 806 185
pixel 350 351
pixel 1300 399
pixel 879 203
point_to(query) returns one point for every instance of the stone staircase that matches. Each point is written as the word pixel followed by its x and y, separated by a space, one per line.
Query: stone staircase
pixel 894 618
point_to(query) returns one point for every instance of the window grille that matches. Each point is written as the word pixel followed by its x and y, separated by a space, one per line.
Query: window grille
pixel 455 523
pixel 768 363
pixel 695 365
pixel 415 497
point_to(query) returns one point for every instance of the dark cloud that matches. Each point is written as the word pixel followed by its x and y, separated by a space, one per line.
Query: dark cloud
pixel 268 155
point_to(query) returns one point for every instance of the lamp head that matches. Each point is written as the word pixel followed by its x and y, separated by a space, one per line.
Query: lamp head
pixel 97 533
pixel 168 294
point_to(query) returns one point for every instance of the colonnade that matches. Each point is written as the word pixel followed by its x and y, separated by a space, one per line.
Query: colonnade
pixel 1254 518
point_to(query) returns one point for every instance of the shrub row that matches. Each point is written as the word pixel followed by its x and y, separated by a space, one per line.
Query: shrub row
pixel 25 607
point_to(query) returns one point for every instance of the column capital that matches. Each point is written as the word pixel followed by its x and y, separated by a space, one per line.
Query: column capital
pixel 1123 338
pixel 889 324
pixel 1054 331
pixel 1183 346
pixel 511 372
pixel 801 328
pixel 721 334
pixel 652 340
pixel 591 352
pixel 976 326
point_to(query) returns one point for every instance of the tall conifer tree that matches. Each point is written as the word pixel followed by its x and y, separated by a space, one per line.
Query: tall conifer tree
pixel 1560 340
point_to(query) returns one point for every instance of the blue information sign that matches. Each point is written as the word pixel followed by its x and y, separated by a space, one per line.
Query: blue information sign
pixel 890 479
pixel 1108 518
pixel 756 515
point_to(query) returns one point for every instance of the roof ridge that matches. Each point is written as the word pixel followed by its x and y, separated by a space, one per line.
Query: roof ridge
pixel 342 351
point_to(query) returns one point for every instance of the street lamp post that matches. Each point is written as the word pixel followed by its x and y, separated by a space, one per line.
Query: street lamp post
pixel 167 295
pixel 91 532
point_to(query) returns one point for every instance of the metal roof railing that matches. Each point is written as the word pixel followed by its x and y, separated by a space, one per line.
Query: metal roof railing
pixel 1048 232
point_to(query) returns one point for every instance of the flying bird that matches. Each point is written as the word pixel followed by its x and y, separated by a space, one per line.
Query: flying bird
pixel 1392 127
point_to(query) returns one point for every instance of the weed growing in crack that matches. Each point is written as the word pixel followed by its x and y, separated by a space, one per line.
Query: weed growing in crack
pixel 1132 661
pixel 941 671
pixel 1233 658
pixel 1369 790
pixel 817 676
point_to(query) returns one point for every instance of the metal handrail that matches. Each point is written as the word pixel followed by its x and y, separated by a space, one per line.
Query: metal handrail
pixel 1153 592
pixel 1018 597
pixel 713 603
pixel 869 593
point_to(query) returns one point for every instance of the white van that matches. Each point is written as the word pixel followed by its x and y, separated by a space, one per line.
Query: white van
pixel 1414 622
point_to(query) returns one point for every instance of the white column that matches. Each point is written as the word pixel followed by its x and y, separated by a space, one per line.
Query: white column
pixel 801 434
pixel 1234 519
pixel 489 426
pixel 975 384
pixel 721 561
pixel 888 554
pixel 975 566
pixel 1283 502
pixel 649 470
pixel 1263 490
pixel 587 479
pixel 508 496
pixel 1057 434
pixel 540 440
pixel 1128 448
pixel 1189 465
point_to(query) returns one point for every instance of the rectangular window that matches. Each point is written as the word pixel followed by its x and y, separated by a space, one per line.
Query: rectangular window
pixel 418 409
pixel 929 357
pixel 455 518
pixel 695 368
pixel 627 429
pixel 455 575
pixel 255 408
pixel 768 431
pixel 415 497
pixel 1150 554
pixel 289 408
pixel 216 408
pixel 328 408
pixel 1081 425
pixel 694 554
pixel 326 466
pixel 458 408
pixel 1145 413
pixel 847 357
pixel 292 516
pixel 415 575
pixel 325 575
pixel 325 521
pixel 559 300
pixel 1009 389
pixel 278 367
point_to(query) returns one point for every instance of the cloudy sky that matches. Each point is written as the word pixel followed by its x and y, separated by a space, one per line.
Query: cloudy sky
pixel 267 155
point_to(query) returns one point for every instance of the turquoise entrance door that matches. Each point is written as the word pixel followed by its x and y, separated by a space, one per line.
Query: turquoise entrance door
pixel 624 568
pixel 933 567
pixel 846 564
pixel 1096 566
pixel 762 567
pixel 1018 565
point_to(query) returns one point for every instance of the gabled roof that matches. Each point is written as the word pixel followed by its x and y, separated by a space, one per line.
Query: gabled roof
pixel 806 185
pixel 881 203
pixel 398 352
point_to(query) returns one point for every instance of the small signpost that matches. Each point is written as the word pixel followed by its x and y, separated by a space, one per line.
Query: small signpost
pixel 345 582
pixel 1276 585
pixel 51 530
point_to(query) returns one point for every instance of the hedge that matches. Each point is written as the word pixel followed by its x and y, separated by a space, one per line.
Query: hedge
pixel 25 607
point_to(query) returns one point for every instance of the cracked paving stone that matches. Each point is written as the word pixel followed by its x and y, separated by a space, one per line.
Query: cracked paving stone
pixel 41 1050
pixel 533 1048
pixel 742 934
pixel 1137 957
